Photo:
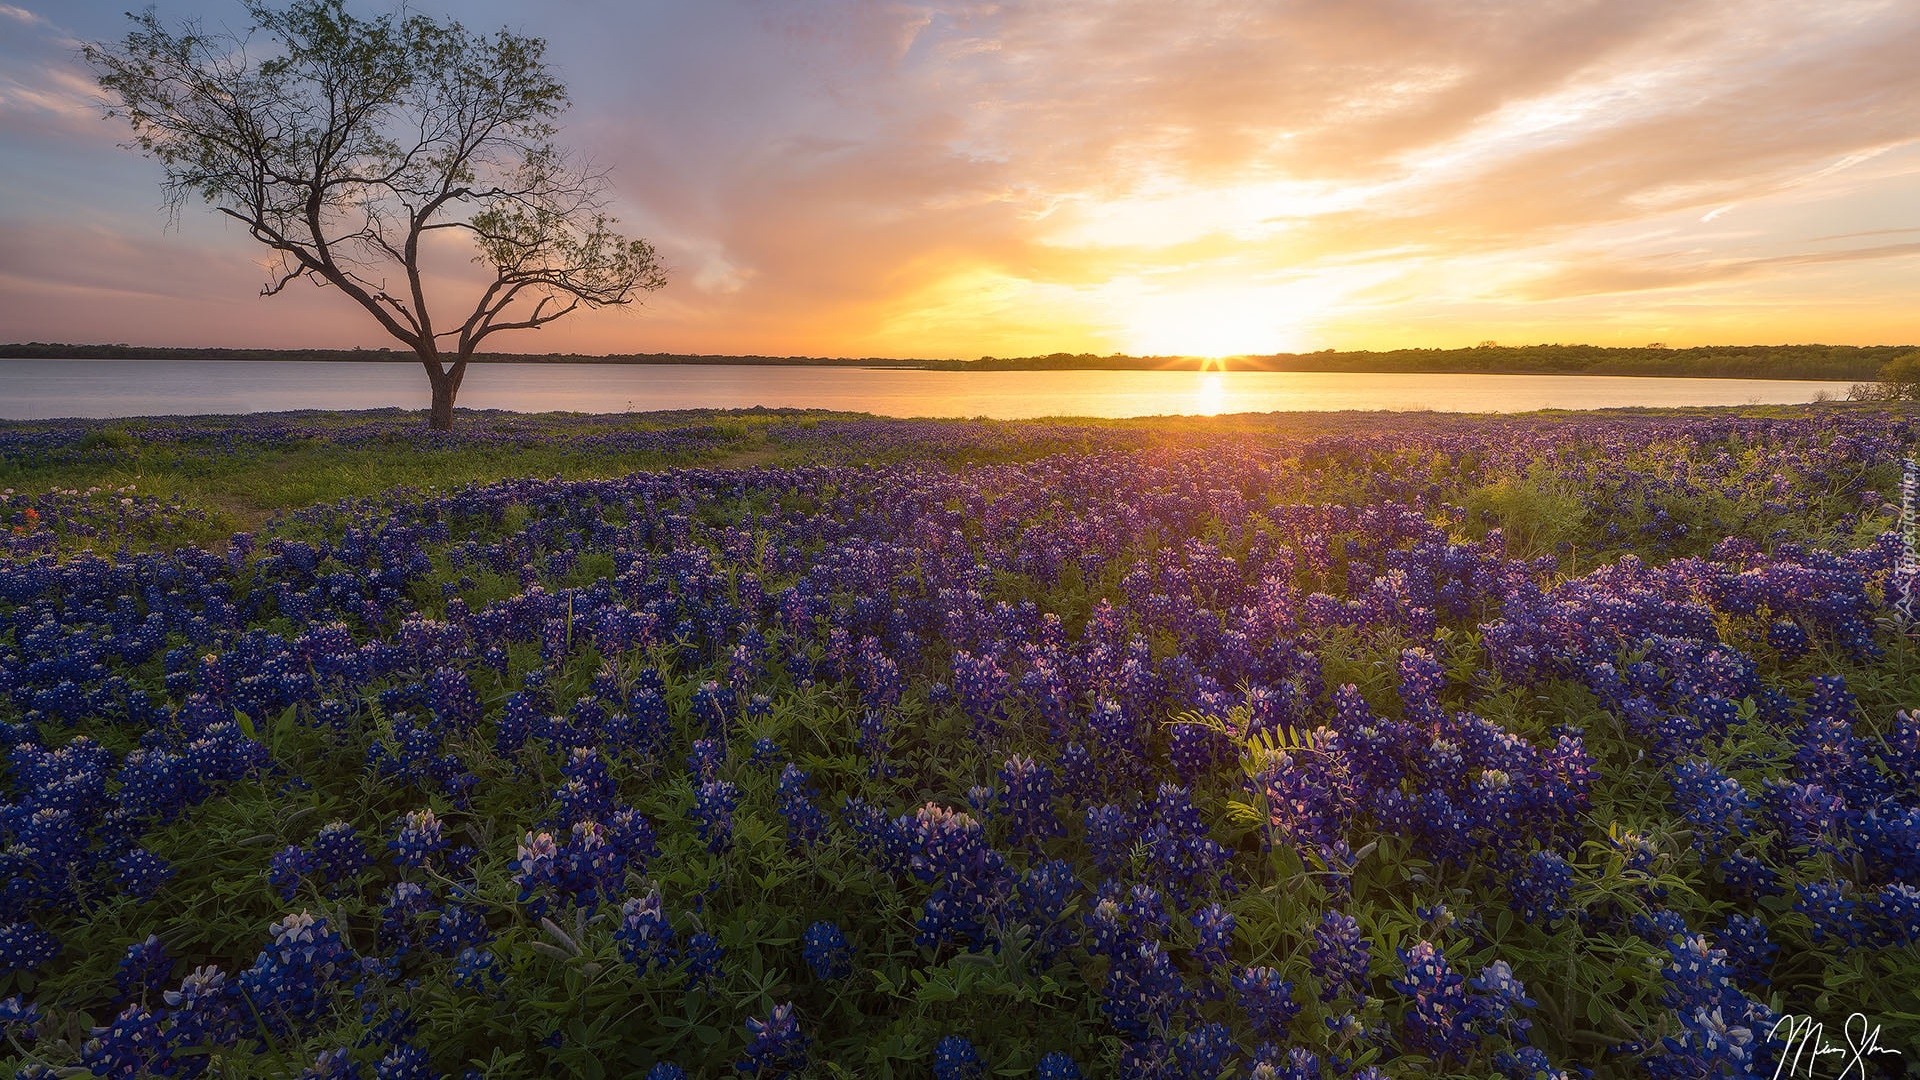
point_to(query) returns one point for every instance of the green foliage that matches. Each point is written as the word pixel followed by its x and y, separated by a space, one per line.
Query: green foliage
pixel 106 439
pixel 1900 376
pixel 1538 513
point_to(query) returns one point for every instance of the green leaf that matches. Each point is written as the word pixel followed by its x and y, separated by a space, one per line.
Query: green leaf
pixel 1244 814
pixel 936 991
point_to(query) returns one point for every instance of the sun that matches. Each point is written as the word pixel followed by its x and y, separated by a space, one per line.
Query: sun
pixel 1226 321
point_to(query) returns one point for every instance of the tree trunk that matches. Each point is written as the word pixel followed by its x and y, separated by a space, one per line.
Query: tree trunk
pixel 440 416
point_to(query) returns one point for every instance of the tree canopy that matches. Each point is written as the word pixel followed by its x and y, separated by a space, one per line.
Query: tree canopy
pixel 345 144
pixel 1900 377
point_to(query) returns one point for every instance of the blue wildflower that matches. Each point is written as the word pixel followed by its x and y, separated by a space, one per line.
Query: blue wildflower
pixel 776 1045
pixel 826 952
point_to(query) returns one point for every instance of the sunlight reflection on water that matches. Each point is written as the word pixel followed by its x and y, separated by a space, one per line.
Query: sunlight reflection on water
pixel 1211 398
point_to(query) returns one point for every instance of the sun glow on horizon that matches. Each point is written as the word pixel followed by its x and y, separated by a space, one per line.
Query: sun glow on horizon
pixel 1219 322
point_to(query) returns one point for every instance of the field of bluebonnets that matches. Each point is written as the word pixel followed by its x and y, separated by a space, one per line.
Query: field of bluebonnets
pixel 1353 745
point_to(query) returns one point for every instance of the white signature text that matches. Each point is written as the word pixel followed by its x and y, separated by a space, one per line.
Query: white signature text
pixel 1806 1044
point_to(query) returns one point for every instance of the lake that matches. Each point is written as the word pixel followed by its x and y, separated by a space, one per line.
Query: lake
pixel 42 389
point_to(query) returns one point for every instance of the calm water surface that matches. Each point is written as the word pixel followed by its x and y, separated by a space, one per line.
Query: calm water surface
pixel 40 389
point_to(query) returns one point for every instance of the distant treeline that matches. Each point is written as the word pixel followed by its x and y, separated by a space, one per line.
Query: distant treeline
pixel 1842 363
pixel 1836 362
pixel 40 350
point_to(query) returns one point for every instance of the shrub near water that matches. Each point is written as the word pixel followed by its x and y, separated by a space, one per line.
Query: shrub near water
pixel 1246 751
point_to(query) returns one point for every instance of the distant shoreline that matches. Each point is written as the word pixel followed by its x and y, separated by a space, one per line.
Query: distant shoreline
pixel 1838 363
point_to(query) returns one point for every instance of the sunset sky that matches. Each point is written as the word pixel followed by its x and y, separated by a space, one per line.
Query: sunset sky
pixel 952 180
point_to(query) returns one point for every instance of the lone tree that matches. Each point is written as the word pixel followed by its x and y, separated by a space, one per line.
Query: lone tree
pixel 1900 377
pixel 344 143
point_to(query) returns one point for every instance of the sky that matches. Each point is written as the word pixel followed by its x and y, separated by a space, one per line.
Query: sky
pixel 862 178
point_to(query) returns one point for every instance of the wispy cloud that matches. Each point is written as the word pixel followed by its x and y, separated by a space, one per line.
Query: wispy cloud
pixel 1637 276
pixel 22 15
pixel 1863 235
